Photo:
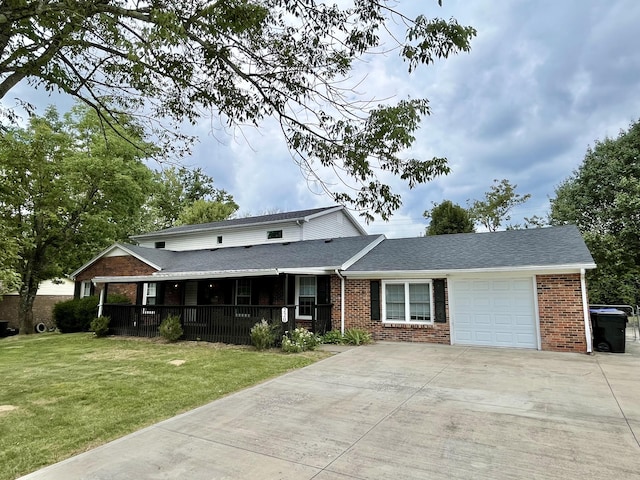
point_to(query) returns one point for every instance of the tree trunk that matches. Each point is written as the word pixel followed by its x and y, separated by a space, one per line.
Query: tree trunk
pixel 28 292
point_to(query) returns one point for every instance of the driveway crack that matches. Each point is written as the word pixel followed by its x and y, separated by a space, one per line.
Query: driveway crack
pixel 618 403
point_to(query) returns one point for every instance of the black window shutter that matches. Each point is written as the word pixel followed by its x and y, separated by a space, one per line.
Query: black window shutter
pixel 440 302
pixel 324 290
pixel 256 286
pixel 139 292
pixel 160 289
pixel 228 286
pixel 375 300
pixel 291 290
pixel 77 290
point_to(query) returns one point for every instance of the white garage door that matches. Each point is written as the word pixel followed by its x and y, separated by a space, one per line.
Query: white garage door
pixel 493 312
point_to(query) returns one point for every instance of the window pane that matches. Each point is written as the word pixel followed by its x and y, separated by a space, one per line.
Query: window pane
pixel 307 286
pixel 419 301
pixel 419 292
pixel 394 295
pixel 305 305
pixel 395 311
pixel 420 311
pixel 244 288
pixel 151 290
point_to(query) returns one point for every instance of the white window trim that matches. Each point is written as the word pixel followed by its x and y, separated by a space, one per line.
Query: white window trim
pixel 145 295
pixel 238 310
pixel 297 297
pixel 407 308
pixel 83 286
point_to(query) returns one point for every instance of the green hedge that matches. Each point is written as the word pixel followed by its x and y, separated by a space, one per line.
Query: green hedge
pixel 76 315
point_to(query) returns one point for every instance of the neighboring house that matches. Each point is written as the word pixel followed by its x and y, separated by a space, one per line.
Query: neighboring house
pixel 50 292
pixel 519 288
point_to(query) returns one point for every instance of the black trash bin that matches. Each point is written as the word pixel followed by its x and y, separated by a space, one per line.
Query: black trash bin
pixel 608 326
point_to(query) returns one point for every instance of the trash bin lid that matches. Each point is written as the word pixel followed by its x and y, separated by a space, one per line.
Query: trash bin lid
pixel 607 311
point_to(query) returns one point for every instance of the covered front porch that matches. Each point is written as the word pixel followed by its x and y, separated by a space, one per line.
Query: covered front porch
pixel 218 309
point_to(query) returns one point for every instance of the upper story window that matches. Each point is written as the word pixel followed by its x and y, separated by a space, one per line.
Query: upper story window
pixel 159 244
pixel 407 301
pixel 274 234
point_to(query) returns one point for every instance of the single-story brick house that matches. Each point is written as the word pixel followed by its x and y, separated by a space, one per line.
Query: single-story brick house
pixel 518 288
pixel 49 293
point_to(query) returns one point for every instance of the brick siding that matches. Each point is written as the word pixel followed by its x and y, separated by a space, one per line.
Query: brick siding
pixel 561 313
pixel 358 315
pixel 42 309
pixel 116 266
pixel 559 304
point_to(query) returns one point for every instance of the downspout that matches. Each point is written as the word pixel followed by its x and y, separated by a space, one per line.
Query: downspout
pixel 341 301
pixel 585 309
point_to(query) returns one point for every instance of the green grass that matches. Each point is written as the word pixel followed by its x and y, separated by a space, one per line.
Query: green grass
pixel 74 392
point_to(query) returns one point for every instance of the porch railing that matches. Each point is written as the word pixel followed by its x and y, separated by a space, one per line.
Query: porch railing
pixel 211 323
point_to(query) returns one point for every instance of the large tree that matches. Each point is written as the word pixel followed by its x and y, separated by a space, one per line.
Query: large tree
pixel 9 278
pixel 183 196
pixel 495 208
pixel 244 60
pixel 68 190
pixel 602 197
pixel 448 217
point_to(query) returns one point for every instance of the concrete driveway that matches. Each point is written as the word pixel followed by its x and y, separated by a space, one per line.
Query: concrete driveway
pixel 401 411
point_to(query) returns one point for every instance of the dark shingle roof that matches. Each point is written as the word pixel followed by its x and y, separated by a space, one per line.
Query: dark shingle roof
pixel 276 217
pixel 512 248
pixel 303 254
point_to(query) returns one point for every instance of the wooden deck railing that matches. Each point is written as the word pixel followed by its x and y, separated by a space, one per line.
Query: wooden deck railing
pixel 220 323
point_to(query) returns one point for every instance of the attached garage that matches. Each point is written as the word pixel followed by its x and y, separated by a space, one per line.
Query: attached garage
pixel 518 288
pixel 498 312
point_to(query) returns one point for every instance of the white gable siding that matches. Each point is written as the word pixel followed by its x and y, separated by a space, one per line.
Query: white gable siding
pixel 117 252
pixel 235 237
pixel 52 288
pixel 333 225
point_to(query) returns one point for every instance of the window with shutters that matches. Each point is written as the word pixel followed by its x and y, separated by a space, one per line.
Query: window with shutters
pixel 149 295
pixel 243 296
pixel 306 295
pixel 407 301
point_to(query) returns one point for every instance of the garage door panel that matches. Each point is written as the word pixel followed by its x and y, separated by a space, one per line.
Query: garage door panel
pixel 498 312
pixel 500 319
pixel 504 339
pixel 522 320
pixel 482 337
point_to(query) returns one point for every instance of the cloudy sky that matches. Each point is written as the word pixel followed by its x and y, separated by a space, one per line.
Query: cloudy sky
pixel 543 81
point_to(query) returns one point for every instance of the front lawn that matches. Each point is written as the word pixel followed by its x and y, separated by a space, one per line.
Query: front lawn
pixel 63 394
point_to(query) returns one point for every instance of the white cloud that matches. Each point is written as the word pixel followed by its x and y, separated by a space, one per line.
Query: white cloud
pixel 542 82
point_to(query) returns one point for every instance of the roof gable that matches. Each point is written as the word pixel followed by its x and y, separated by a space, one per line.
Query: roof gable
pixel 151 258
